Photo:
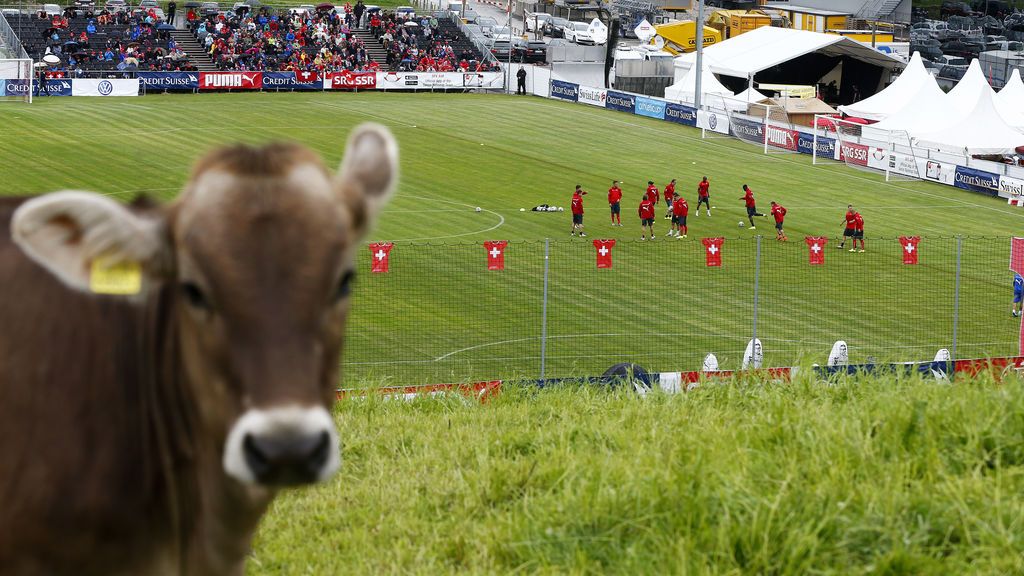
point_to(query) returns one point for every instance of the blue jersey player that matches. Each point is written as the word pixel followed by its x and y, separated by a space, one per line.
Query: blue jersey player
pixel 1018 294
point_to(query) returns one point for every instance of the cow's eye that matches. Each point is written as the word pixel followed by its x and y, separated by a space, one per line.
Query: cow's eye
pixel 194 295
pixel 344 287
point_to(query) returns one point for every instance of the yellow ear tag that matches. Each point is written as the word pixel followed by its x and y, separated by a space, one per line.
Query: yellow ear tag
pixel 122 278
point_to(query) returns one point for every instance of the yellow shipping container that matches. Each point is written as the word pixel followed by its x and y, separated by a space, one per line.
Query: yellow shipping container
pixel 678 37
pixel 740 23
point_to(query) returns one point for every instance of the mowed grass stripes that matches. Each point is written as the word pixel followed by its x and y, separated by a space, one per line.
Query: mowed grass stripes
pixel 439 315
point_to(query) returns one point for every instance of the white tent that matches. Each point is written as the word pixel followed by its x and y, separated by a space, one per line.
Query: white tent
pixel 750 96
pixel 921 114
pixel 965 94
pixel 713 91
pixel 914 84
pixel 981 131
pixel 1013 93
pixel 745 55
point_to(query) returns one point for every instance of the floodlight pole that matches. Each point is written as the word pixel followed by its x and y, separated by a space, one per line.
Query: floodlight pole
pixel 698 35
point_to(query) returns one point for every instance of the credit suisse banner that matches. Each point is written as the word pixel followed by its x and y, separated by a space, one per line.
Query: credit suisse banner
pixel 63 87
pixel 565 90
pixel 680 114
pixel 15 87
pixel 230 80
pixel 620 101
pixel 976 180
pixel 292 81
pixel 170 80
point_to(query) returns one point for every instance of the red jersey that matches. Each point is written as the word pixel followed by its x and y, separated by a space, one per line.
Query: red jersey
pixel 779 212
pixel 652 193
pixel 680 207
pixel 702 189
pixel 646 210
pixel 577 204
pixel 749 198
pixel 614 195
pixel 670 191
pixel 858 222
pixel 851 220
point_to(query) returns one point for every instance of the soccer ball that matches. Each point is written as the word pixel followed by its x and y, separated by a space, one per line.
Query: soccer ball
pixel 478 209
pixel 741 223
pixel 522 209
pixel 560 209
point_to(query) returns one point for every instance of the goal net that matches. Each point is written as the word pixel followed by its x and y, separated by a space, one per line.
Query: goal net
pixel 16 80
pixel 874 150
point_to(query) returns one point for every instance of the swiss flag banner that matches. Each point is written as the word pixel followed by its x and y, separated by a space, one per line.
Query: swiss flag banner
pixel 713 250
pixel 604 252
pixel 379 255
pixel 909 244
pixel 496 254
pixel 816 249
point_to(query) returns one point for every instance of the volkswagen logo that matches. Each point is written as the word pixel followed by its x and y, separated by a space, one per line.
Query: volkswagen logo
pixel 713 121
pixel 105 88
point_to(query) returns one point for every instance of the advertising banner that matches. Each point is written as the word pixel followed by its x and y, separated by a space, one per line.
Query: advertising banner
pixel 565 90
pixel 714 121
pixel 878 158
pixel 230 80
pixel 852 153
pixel 904 164
pixel 620 101
pixel 748 130
pixel 348 80
pixel 680 114
pixel 593 96
pixel 440 79
pixel 976 180
pixel 650 107
pixel 63 87
pixel 483 79
pixel 826 146
pixel 170 80
pixel 15 87
pixel 303 80
pixel 943 172
pixel 782 137
pixel 397 80
pixel 104 87
pixel 1010 187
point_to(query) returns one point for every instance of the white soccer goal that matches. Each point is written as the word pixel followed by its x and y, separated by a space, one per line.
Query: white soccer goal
pixel 16 80
pixel 867 148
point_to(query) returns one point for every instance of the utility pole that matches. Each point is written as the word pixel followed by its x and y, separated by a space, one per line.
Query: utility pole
pixel 698 34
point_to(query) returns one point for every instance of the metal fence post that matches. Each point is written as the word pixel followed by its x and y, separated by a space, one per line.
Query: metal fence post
pixel 544 311
pixel 757 280
pixel 956 292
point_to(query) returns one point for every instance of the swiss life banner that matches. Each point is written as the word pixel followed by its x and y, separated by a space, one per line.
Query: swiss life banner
pixel 781 137
pixel 292 81
pixel 680 114
pixel 565 90
pixel 714 121
pixel 620 101
pixel 1011 187
pixel 348 80
pixel 230 80
pixel 976 180
pixel 593 96
pixel 103 87
pixel 650 107
pixel 61 87
pixel 169 80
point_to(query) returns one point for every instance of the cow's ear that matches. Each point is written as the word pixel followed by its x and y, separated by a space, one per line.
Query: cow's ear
pixel 90 242
pixel 369 171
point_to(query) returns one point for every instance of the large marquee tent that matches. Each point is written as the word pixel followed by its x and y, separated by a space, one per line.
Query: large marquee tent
pixel 913 85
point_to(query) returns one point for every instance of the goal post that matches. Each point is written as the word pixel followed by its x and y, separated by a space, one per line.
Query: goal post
pixel 17 81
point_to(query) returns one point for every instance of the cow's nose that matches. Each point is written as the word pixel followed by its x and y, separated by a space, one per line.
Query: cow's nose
pixel 286 459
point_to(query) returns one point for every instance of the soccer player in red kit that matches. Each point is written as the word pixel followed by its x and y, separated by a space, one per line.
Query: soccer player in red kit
pixel 614 198
pixel 779 212
pixel 703 196
pixel 858 232
pixel 748 199
pixel 851 226
pixel 680 210
pixel 577 211
pixel 652 192
pixel 646 212
pixel 670 195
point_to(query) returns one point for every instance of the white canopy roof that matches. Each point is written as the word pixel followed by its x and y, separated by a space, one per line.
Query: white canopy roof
pixel 920 114
pixel 981 131
pixel 965 94
pixel 712 90
pixel 912 85
pixel 762 48
pixel 750 95
pixel 1013 93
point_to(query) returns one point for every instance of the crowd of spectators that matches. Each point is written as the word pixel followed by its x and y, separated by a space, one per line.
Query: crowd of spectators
pixel 420 44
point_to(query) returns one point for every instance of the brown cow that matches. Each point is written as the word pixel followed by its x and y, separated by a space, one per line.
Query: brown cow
pixel 146 433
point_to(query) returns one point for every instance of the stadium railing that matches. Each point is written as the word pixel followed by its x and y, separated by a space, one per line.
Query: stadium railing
pixel 439 315
pixel 9 40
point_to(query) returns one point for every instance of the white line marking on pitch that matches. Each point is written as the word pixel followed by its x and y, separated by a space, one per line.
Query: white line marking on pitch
pixel 501 221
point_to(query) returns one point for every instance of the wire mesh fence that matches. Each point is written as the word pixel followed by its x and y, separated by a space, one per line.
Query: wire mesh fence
pixel 439 314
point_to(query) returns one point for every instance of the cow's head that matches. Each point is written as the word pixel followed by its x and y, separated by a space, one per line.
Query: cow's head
pixel 259 251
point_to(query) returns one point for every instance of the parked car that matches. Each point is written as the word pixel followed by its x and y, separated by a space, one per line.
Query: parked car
pixel 501 33
pixel 301 10
pixel 115 6
pixel 211 8
pixel 578 32
pixel 554 28
pixel 501 49
pixel 405 12
pixel 148 4
pixel 537 20
pixel 531 52
pixel 469 16
pixel 84 8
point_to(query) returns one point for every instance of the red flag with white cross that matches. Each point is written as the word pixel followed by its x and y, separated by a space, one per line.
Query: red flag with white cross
pixel 380 254
pixel 712 251
pixel 909 244
pixel 1017 265
pixel 604 252
pixel 816 249
pixel 496 254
